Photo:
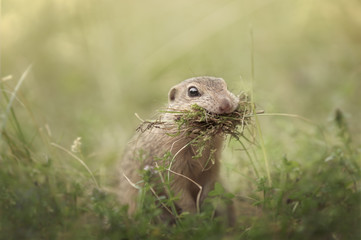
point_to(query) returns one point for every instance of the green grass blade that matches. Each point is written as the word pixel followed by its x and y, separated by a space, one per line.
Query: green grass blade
pixel 9 110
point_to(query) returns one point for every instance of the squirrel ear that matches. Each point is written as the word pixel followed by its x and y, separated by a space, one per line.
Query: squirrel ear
pixel 171 94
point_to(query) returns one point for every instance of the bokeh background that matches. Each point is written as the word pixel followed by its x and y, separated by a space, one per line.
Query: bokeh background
pixel 96 63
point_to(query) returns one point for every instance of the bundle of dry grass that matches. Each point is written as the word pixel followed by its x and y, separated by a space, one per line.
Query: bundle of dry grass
pixel 199 121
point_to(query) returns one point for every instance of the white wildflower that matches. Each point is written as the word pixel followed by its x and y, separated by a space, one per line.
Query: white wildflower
pixel 150 169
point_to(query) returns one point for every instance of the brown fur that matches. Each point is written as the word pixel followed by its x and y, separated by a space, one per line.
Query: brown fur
pixel 155 142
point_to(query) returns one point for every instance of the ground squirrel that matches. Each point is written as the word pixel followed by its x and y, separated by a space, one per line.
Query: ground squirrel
pixel 209 93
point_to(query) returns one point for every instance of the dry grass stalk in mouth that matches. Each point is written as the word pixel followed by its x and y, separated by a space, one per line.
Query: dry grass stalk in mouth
pixel 200 122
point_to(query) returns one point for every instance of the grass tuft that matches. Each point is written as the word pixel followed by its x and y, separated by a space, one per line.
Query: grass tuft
pixel 199 122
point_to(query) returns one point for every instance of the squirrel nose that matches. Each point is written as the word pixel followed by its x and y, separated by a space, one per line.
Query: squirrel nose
pixel 225 106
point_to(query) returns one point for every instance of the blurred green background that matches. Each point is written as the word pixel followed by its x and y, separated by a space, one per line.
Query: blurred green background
pixel 96 63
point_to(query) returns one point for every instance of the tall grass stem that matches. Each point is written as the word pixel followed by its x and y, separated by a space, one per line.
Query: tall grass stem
pixel 79 160
pixel 9 108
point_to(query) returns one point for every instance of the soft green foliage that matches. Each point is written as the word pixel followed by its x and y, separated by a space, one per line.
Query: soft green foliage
pixel 43 196
pixel 95 63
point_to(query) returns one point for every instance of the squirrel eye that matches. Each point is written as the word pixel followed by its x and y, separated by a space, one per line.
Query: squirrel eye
pixel 193 92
